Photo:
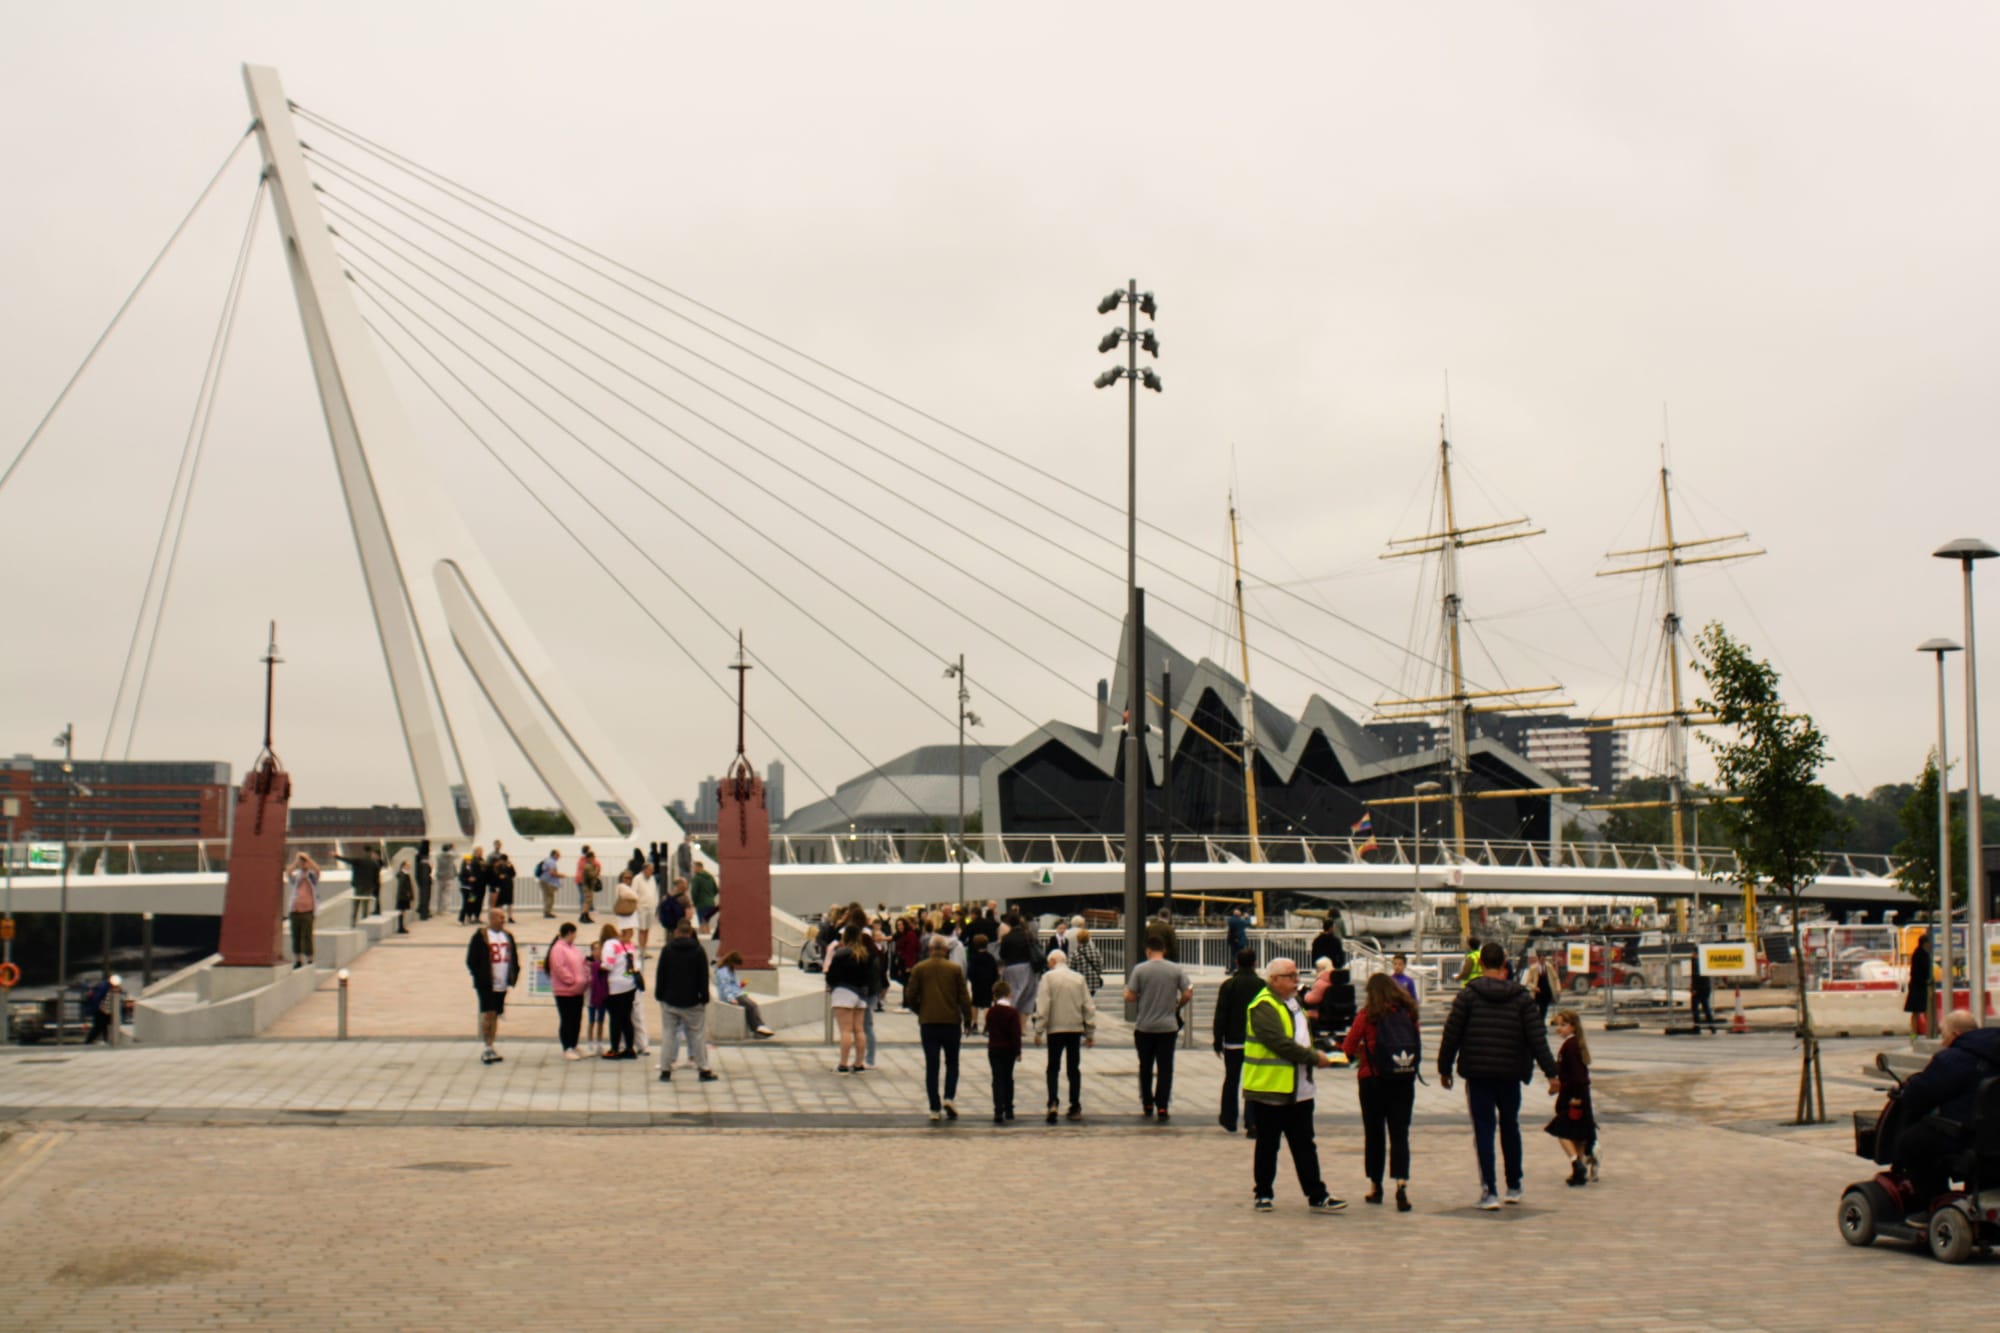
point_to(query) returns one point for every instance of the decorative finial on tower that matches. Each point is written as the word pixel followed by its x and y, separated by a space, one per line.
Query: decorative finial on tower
pixel 741 666
pixel 270 659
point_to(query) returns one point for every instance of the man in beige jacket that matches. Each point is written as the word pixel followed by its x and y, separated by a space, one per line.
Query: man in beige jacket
pixel 1067 1016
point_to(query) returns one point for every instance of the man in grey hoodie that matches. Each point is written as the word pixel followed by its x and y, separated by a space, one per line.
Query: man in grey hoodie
pixel 1497 1038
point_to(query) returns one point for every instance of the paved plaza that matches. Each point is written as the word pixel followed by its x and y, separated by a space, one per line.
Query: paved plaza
pixel 397 1183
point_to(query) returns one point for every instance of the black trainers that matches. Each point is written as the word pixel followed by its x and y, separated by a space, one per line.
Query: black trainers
pixel 666 1076
pixel 489 1057
pixel 1329 1204
pixel 1264 1206
pixel 1052 1113
pixel 709 1076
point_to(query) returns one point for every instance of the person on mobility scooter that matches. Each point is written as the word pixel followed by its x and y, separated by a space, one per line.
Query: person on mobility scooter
pixel 1940 1124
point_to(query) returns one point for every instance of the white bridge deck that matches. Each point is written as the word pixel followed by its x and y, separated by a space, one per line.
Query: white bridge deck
pixel 807 873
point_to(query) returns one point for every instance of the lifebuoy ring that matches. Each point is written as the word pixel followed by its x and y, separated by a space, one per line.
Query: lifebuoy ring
pixel 10 976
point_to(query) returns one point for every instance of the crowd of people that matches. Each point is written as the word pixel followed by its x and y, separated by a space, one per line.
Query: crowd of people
pixel 981 972
pixel 598 976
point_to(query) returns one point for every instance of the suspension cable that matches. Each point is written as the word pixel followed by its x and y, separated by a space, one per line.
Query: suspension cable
pixel 570 532
pixel 343 211
pixel 123 306
pixel 408 207
pixel 204 414
pixel 502 214
pixel 382 298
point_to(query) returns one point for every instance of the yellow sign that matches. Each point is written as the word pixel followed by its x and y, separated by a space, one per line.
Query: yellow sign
pixel 1728 960
pixel 1993 953
pixel 1579 958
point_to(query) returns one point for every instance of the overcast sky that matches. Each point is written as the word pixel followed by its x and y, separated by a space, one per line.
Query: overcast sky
pixel 1768 225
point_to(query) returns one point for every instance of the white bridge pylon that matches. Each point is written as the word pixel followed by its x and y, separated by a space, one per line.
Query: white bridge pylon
pixel 450 634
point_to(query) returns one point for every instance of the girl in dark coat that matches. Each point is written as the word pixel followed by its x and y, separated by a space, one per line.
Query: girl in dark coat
pixel 982 970
pixel 1575 1125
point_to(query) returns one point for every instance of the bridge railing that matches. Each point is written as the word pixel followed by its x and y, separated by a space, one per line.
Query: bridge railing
pixel 181 856
pixel 1053 850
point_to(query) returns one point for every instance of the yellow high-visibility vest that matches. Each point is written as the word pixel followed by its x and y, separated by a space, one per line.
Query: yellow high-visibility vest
pixel 1264 1070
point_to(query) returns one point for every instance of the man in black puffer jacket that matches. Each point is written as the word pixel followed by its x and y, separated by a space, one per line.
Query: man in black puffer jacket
pixel 681 987
pixel 1232 1000
pixel 1497 1039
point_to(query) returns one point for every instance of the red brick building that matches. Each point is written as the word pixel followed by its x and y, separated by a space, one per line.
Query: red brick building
pixel 127 800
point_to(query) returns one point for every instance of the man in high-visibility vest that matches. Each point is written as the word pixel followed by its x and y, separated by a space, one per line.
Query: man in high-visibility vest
pixel 1277 1076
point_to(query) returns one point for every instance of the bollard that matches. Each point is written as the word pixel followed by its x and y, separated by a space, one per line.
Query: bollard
pixel 146 940
pixel 114 999
pixel 340 1033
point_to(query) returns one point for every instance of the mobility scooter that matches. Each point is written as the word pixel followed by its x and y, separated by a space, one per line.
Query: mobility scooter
pixel 1958 1221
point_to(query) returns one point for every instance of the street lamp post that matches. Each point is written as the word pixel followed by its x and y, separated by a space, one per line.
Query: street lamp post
pixel 1417 913
pixel 1966 550
pixel 1938 648
pixel 966 718
pixel 67 741
pixel 1136 303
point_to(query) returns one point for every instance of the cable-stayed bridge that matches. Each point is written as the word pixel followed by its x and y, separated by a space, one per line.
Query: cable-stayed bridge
pixel 623 409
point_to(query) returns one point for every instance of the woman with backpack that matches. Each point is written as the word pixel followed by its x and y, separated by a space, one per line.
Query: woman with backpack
pixel 1387 1050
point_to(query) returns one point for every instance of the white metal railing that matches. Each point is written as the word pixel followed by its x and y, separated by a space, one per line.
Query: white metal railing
pixel 123 856
pixel 1095 848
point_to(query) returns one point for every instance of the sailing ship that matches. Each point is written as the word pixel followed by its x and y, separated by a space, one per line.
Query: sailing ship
pixel 1456 705
pixel 1677 719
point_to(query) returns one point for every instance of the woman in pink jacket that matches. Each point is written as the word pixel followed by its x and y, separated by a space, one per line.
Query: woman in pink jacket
pixel 569 978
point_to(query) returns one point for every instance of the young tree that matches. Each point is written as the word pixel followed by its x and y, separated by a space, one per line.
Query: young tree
pixel 1770 760
pixel 1917 854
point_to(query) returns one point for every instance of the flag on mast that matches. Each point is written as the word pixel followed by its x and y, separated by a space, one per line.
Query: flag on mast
pixel 1364 828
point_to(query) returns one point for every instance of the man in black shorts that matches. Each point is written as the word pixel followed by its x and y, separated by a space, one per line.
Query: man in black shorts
pixel 495 963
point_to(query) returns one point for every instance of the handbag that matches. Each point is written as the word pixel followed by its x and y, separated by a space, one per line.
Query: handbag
pixel 632 970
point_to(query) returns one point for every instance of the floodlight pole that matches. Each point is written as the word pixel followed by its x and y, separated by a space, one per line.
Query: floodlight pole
pixel 1167 790
pixel 1135 303
pixel 1135 657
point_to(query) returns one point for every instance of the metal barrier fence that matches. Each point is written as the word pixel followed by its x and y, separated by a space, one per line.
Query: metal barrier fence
pixel 124 856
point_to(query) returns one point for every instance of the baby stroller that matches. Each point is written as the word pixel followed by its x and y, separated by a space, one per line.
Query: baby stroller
pixel 1961 1219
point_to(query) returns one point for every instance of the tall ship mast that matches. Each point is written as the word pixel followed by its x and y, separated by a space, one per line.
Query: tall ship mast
pixel 1249 695
pixel 1677 719
pixel 1457 705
